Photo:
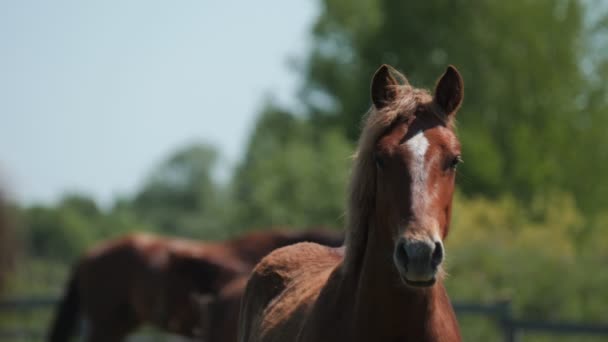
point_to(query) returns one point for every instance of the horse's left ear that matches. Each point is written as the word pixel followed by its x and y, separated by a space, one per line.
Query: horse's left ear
pixel 384 85
pixel 449 91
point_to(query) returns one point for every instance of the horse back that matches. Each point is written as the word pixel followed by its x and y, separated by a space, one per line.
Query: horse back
pixel 125 274
pixel 281 290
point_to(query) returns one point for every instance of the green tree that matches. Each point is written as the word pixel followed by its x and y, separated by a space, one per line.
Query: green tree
pixel 529 74
pixel 537 256
pixel 181 196
pixel 291 175
pixel 62 232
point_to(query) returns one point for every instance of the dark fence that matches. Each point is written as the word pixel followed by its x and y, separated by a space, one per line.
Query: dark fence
pixel 512 328
pixel 19 308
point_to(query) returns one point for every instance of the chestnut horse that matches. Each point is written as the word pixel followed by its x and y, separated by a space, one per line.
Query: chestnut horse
pixel 6 239
pixel 142 278
pixel 386 284
pixel 220 313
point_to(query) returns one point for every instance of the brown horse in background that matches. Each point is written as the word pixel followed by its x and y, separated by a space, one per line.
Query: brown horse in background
pixel 169 283
pixel 220 313
pixel 386 285
pixel 6 241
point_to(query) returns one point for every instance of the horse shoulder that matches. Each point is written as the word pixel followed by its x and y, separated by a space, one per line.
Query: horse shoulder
pixel 265 283
pixel 282 286
pixel 286 264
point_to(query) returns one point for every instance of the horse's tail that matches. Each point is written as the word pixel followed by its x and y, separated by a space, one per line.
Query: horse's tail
pixel 66 317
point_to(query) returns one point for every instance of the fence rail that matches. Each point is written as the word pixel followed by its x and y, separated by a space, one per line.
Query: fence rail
pixel 27 304
pixel 501 312
pixel 513 328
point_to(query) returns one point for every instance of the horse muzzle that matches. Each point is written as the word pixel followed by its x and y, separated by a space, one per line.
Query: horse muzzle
pixel 418 261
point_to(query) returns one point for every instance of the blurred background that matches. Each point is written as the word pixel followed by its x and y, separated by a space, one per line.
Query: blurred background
pixel 205 119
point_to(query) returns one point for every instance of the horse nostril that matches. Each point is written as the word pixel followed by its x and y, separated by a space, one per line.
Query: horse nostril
pixel 437 256
pixel 401 255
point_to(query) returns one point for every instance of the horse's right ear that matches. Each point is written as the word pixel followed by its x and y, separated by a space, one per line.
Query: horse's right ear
pixel 449 91
pixel 384 86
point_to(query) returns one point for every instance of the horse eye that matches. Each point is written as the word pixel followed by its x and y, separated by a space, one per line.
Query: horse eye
pixel 455 161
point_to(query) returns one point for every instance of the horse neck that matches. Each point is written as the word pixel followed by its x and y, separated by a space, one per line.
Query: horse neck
pixel 384 306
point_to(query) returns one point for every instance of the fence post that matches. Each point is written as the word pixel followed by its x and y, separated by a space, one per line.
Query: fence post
pixel 505 319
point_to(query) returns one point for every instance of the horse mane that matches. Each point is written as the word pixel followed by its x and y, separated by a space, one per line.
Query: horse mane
pixel 360 206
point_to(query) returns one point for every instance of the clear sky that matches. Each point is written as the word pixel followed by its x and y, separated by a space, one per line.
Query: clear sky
pixel 94 94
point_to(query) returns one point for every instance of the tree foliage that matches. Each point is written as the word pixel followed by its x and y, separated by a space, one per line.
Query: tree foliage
pixel 530 216
pixel 291 175
pixel 181 196
pixel 530 70
pixel 541 257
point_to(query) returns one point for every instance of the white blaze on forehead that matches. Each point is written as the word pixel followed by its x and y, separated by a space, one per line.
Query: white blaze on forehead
pixel 417 145
pixel 422 195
